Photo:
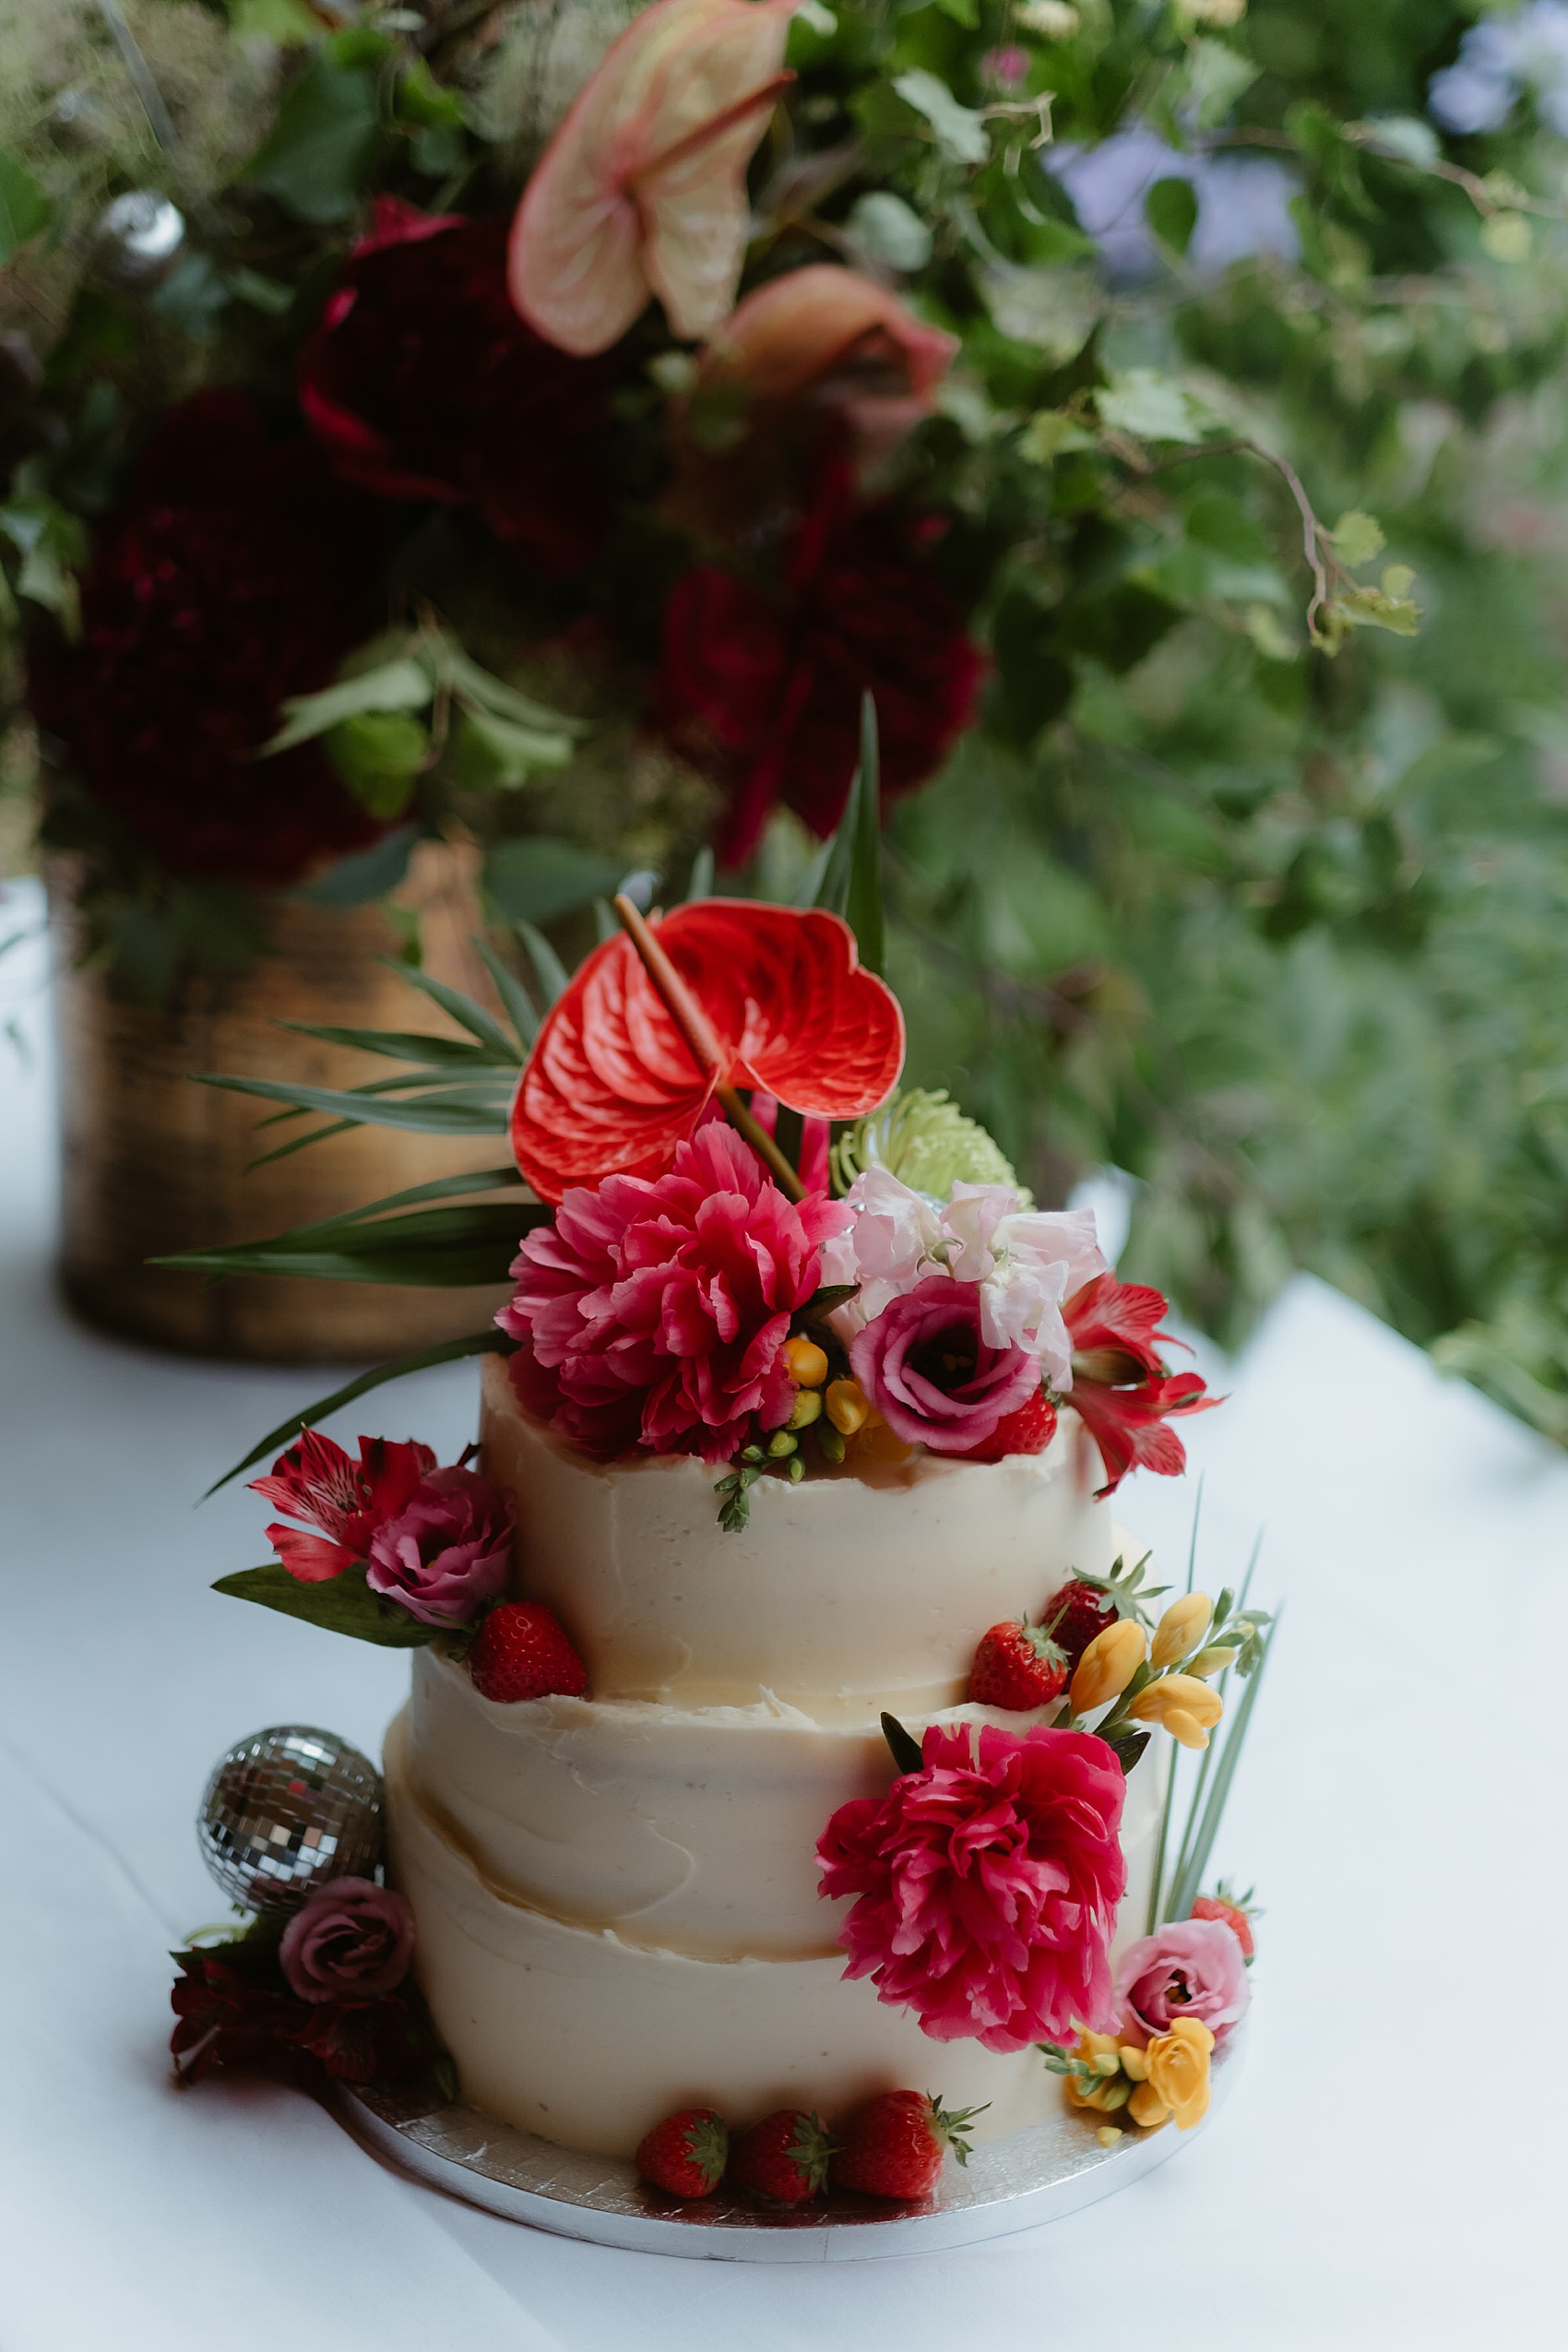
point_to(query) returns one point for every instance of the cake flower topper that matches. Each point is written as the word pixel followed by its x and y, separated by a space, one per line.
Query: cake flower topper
pixel 722 993
pixel 642 190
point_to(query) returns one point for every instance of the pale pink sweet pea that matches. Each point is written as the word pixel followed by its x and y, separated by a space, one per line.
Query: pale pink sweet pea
pixel 1192 1968
pixel 889 1247
pixel 448 1550
pixel 986 1884
pixel 642 190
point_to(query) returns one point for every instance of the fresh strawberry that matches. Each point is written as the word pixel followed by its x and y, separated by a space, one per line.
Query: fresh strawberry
pixel 1077 1611
pixel 1028 1430
pixel 1233 1910
pixel 521 1652
pixel 1017 1665
pixel 784 2157
pixel 894 2145
pixel 686 2154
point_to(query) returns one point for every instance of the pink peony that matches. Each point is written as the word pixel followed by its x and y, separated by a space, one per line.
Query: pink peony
pixel 1192 1968
pixel 988 1883
pixel 932 1375
pixel 346 1500
pixel 348 1938
pixel 447 1551
pixel 653 1314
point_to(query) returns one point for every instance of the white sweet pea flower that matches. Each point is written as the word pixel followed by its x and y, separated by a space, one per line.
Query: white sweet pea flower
pixel 1040 1258
pixel 891 1246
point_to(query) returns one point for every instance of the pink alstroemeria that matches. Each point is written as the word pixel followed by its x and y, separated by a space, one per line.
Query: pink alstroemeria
pixel 346 1500
pixel 642 190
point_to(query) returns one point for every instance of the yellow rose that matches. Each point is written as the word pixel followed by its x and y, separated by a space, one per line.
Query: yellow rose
pixel 1187 1708
pixel 1181 1629
pixel 1107 1666
pixel 1178 2071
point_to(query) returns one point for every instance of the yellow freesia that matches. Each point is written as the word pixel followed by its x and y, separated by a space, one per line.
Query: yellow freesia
pixel 1187 1708
pixel 1181 1629
pixel 1107 1666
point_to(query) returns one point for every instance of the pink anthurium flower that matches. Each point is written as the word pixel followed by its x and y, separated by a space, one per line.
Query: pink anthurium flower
pixel 642 190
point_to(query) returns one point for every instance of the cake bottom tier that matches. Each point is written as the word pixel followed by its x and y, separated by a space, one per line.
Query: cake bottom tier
pixel 569 2032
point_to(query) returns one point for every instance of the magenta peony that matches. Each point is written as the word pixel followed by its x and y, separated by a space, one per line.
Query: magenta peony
pixel 933 1376
pixel 447 1551
pixel 346 1500
pixel 987 1884
pixel 653 1314
pixel 350 1938
pixel 1192 1968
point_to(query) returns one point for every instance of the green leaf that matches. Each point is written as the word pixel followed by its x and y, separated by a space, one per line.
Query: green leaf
pixel 397 1045
pixel 419 1117
pixel 1196 1862
pixel 367 874
pixel 1152 406
pixel 889 229
pixel 852 876
pixel 959 131
pixel 518 1003
pixel 379 755
pixel 536 879
pixel 552 977
pixel 963 12
pixel 320 154
pixel 489 1342
pixel 24 207
pixel 498 751
pixel 1407 137
pixel 1356 538
pixel 700 885
pixel 479 689
pixel 1054 310
pixel 1217 76
pixel 288 23
pixel 465 1012
pixel 1171 208
pixel 904 1747
pixel 343 1604
pixel 435 1249
pixel 399 686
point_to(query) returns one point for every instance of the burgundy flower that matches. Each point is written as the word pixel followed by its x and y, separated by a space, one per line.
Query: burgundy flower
pixel 389 2041
pixel 229 2015
pixel 933 1376
pixel 447 1551
pixel 346 1500
pixel 420 381
pixel 987 1884
pixel 1121 1388
pixel 765 691
pixel 653 1314
pixel 236 573
pixel 349 1940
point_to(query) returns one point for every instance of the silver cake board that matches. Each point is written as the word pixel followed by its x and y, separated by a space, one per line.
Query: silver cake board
pixel 1044 2174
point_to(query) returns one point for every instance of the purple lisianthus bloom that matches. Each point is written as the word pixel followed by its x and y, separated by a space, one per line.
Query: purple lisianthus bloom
pixel 448 1549
pixel 928 1368
pixel 1192 1968
pixel 349 1940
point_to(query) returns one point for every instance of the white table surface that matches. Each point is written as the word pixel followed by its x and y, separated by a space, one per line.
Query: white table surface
pixel 1389 2172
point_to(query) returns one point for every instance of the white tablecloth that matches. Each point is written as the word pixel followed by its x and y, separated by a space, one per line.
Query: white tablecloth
pixel 1389 2172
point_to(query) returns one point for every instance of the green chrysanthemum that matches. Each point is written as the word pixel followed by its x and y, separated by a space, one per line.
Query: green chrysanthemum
pixel 927 1142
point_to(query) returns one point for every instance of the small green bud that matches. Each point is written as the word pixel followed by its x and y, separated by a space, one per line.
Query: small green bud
pixel 780 1443
pixel 831 1441
pixel 807 1408
pixel 797 1471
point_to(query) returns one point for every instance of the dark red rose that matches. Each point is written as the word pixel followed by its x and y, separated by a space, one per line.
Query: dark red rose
pixel 237 572
pixel 370 2042
pixel 765 691
pixel 420 381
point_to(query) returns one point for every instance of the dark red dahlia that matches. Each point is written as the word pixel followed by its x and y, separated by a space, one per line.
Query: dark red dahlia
pixel 237 572
pixel 765 691
pixel 420 381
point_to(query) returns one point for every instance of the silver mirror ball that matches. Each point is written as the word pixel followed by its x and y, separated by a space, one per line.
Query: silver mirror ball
pixel 285 1810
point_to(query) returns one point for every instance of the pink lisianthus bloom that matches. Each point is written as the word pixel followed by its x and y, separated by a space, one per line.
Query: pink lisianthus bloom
pixel 1121 1385
pixel 642 190
pixel 1192 1968
pixel 986 1884
pixel 348 1938
pixel 653 1313
pixel 346 1500
pixel 447 1551
pixel 932 1375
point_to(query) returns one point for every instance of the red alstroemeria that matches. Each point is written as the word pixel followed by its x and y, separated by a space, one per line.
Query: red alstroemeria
pixel 1123 1390
pixel 611 1086
pixel 346 1500
pixel 643 189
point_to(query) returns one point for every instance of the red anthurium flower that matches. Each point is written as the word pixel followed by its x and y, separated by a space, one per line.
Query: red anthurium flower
pixel 346 1500
pixel 1121 1388
pixel 643 189
pixel 611 1086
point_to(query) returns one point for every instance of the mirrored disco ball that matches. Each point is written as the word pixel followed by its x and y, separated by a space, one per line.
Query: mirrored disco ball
pixel 285 1810
pixel 137 241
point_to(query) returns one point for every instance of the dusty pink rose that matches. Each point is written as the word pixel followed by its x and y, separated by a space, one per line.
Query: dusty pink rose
pixel 447 1551
pixel 932 1373
pixel 653 1314
pixel 349 1940
pixel 1192 1968
pixel 987 1884
pixel 346 1500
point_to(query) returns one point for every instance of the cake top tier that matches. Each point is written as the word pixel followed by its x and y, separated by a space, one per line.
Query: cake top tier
pixel 857 1589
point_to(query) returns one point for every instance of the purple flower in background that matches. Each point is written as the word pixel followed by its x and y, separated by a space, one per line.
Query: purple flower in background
pixel 1244 202
pixel 448 1549
pixel 1509 53
pixel 349 1940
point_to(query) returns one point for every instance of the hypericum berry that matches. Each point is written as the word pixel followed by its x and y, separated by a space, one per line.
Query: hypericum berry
pixel 1017 1665
pixel 1027 1431
pixel 521 1652
pixel 1235 1910
pixel 784 2157
pixel 894 2145
pixel 686 2154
